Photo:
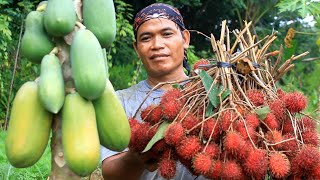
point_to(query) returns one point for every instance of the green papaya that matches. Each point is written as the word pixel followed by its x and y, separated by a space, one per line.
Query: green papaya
pixel 35 42
pixel 87 65
pixel 60 17
pixel 80 140
pixel 99 17
pixel 51 84
pixel 113 125
pixel 29 127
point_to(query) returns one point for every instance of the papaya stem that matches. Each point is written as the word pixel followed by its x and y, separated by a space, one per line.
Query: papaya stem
pixel 80 25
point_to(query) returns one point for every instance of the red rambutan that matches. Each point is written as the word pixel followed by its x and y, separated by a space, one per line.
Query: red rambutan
pixel 315 172
pixel 200 62
pixel 216 170
pixel 210 126
pixel 171 102
pixel 152 114
pixel 256 164
pixel 287 127
pixel 310 137
pixel 290 145
pixel 167 168
pixel 201 163
pixel 271 122
pixel 139 139
pixel 189 121
pixel 159 146
pixel 255 96
pixel 225 120
pixel 246 131
pixel 212 149
pixel 174 133
pixel 274 137
pixel 277 108
pixel 295 101
pixel 307 158
pixel 188 147
pixel 306 123
pixel 280 93
pixel 231 171
pixel 232 142
pixel 279 165
pixel 252 120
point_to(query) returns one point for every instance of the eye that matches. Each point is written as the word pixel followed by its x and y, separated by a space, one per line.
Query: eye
pixel 167 34
pixel 145 38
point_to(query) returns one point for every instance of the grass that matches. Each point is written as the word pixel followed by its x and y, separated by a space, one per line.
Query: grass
pixel 40 170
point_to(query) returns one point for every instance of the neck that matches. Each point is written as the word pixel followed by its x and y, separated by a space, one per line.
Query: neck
pixel 153 81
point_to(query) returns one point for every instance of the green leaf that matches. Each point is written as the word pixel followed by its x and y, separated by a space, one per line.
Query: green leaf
pixel 213 89
pixel 158 136
pixel 262 112
pixel 209 110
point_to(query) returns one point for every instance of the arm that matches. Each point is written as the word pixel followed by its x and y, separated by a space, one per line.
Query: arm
pixel 127 165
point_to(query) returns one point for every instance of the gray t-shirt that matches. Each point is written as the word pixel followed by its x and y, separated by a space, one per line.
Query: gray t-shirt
pixel 131 99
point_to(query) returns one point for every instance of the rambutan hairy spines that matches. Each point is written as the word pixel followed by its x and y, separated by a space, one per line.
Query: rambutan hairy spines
pixel 289 145
pixel 307 158
pixel 225 120
pixel 232 142
pixel 167 168
pixel 252 119
pixel 306 123
pixel 171 102
pixel 310 137
pixel 287 127
pixel 275 137
pixel 201 163
pixel 255 96
pixel 188 147
pixel 197 64
pixel 211 126
pixel 231 171
pixel 215 170
pixel 271 122
pixel 279 165
pixel 256 164
pixel 174 133
pixel 189 121
pixel 139 139
pixel 277 108
pixel 152 114
pixel 295 101
pixel 212 149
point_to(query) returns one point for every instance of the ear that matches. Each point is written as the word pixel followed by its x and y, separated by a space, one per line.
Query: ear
pixel 135 48
pixel 186 37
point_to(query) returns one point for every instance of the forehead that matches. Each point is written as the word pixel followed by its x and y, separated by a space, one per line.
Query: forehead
pixel 156 24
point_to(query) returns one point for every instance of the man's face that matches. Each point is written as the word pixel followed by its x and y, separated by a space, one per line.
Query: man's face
pixel 160 45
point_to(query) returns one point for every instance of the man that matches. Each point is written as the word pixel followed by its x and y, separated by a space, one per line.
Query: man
pixel 161 42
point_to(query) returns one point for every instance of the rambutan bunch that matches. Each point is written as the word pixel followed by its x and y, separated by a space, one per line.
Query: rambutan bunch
pixel 295 101
pixel 252 120
pixel 277 108
pixel 246 131
pixel 171 102
pixel 271 122
pixel 212 149
pixel 232 142
pixel 152 114
pixel 255 96
pixel 275 138
pixel 141 134
pixel 279 165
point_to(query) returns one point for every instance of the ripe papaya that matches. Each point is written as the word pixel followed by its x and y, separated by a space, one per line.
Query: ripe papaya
pixel 80 140
pixel 87 65
pixel 29 127
pixel 99 17
pixel 113 125
pixel 35 42
pixel 51 84
pixel 59 17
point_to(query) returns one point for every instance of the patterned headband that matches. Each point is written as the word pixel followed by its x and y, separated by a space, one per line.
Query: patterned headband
pixel 158 10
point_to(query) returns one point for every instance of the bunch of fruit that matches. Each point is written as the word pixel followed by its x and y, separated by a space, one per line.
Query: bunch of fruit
pixel 229 120
pixel 91 112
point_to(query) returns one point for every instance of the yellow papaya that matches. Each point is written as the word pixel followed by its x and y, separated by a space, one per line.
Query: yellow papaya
pixel 80 140
pixel 59 17
pixel 29 127
pixel 51 84
pixel 35 42
pixel 113 125
pixel 87 65
pixel 100 18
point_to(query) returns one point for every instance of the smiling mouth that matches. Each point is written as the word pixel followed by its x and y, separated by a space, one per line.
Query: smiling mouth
pixel 159 56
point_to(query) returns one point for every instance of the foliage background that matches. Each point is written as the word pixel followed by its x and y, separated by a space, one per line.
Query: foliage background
pixel 205 16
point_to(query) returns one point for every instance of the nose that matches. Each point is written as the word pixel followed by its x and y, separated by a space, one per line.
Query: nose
pixel 158 42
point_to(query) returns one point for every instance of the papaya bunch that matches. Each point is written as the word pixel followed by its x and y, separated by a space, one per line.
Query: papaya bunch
pixel 230 120
pixel 73 84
